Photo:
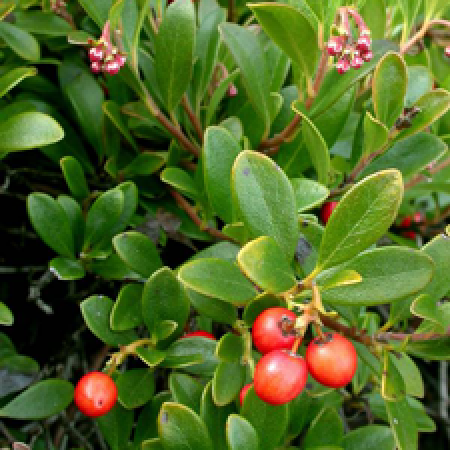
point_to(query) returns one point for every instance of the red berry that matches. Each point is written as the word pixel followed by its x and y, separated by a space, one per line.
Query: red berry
pixel 243 392
pixel 418 217
pixel 272 330
pixel 333 361
pixel 409 234
pixel 111 67
pixel 356 62
pixel 447 51
pixel 334 46
pixel 95 394
pixel 327 209
pixel 200 333
pixel 96 67
pixel 364 43
pixel 342 66
pixel 279 377
pixel 96 54
pixel 406 222
pixel 367 56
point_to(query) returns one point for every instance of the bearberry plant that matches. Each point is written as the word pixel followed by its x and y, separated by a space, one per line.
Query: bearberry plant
pixel 236 224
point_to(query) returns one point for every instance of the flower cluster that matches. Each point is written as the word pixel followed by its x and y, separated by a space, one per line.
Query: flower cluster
pixel 447 51
pixel 348 52
pixel 104 56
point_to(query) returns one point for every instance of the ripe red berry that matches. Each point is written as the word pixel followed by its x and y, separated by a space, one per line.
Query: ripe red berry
pixel 199 333
pixel 327 209
pixel 342 66
pixel 95 394
pixel 279 377
pixel 406 222
pixel 356 62
pixel 409 234
pixel 367 56
pixel 96 67
pixel 96 54
pixel 273 329
pixel 334 46
pixel 332 361
pixel 364 43
pixel 243 392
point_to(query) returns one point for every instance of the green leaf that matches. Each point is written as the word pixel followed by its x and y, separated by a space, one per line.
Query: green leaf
pixel 410 374
pixel 409 155
pixel 370 437
pixel 138 252
pixel 43 399
pixel 432 106
pixel 230 348
pixel 150 356
pixel 96 311
pixel 130 194
pixel 258 305
pixel 115 13
pixel 152 444
pixel 127 310
pixel 186 390
pixel 434 349
pixel 317 147
pixel 215 417
pixel 112 110
pixel 375 135
pixel 116 427
pixel 102 216
pixel 42 23
pixel 51 223
pixel 14 77
pixel 6 316
pixel 392 385
pixel 362 216
pixel 325 429
pixel 248 54
pixel 263 262
pixel 308 245
pixel 220 149
pixel 308 193
pixel 180 180
pixel 217 278
pixel 79 37
pixel 403 425
pixel 66 269
pixel 164 299
pixel 228 380
pixel 265 200
pixel 299 408
pixel 388 273
pixel 180 428
pixel 174 50
pixel 19 364
pixel 74 176
pixel 28 130
pixel 135 387
pixel 420 81
pixel 291 30
pixel 389 88
pixel 20 41
pixel 240 434
pixel 374 14
pixel 269 421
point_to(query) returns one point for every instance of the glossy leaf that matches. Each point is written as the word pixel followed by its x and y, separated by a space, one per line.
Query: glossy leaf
pixel 44 399
pixel 135 387
pixel 240 434
pixel 228 380
pixel 74 176
pixel 116 427
pixel 138 252
pixel 164 298
pixel 66 269
pixel 230 348
pixel 403 425
pixel 362 216
pixel 263 262
pixel 389 88
pixel 127 310
pixel 42 23
pixel 28 130
pixel 434 349
pixel 186 390
pixel 217 278
pixel 265 200
pixel 96 311
pixel 392 383
pixel 289 28
pixel 258 305
pixel 370 437
pixel 181 181
pixel 420 81
pixel 375 134
pixel 410 373
pixel 112 110
pixel 150 356
pixel 20 41
pixel 174 50
pixel 308 245
pixel 179 427
pixel 14 77
pixel 249 57
pixel 308 193
pixel 325 429
pixel 220 149
pixel 6 316
pixel 51 223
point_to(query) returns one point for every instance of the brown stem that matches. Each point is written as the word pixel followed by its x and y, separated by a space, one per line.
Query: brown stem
pixel 189 210
pixel 363 163
pixel 433 170
pixel 321 71
pixel 413 337
pixel 422 32
pixel 231 6
pixel 353 333
pixel 439 218
pixel 192 117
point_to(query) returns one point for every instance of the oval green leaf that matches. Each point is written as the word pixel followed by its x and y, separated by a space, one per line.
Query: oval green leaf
pixel 127 311
pixel 240 434
pixel 135 387
pixel 20 41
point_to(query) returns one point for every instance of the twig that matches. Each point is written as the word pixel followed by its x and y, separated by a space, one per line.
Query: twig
pixel 433 171
pixel 422 32
pixel 6 433
pixel 231 6
pixel 192 117
pixel 189 210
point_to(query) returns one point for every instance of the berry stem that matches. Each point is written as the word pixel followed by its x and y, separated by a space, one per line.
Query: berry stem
pixel 297 343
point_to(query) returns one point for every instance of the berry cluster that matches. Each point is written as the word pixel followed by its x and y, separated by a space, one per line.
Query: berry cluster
pixel 281 373
pixel 347 52
pixel 416 219
pixel 447 51
pixel 104 56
